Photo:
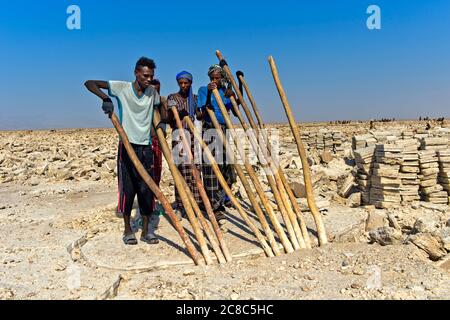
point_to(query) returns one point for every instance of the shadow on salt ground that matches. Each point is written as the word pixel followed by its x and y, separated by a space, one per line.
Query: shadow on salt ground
pixel 238 222
pixel 173 245
pixel 189 233
pixel 237 235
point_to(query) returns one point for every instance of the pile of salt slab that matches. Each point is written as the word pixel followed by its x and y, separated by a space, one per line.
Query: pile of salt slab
pixel 444 169
pixel 430 190
pixel 364 159
pixel 385 181
pixel 324 140
pixel 409 170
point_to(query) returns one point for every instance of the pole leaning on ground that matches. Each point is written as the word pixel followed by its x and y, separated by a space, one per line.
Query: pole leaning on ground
pixel 228 191
pixel 248 167
pixel 279 186
pixel 301 150
pixel 155 189
pixel 187 199
pixel 258 186
pixel 274 178
pixel 282 176
pixel 197 177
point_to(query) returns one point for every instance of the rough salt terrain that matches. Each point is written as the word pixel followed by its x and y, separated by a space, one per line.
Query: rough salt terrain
pixel 61 236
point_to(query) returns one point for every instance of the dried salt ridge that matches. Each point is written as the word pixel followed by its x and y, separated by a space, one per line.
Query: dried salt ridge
pixel 58 156
pixel 444 170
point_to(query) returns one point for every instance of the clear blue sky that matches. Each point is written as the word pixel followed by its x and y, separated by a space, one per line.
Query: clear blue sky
pixel 331 65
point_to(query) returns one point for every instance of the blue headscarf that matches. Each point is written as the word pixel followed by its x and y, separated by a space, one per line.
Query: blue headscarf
pixel 191 103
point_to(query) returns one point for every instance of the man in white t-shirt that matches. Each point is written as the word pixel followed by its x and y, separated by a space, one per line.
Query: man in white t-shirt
pixel 136 102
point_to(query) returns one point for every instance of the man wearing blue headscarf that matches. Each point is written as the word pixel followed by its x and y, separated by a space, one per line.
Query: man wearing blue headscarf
pixel 186 104
pixel 218 80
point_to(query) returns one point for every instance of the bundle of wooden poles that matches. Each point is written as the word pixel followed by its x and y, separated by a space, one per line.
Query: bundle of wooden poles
pixel 292 236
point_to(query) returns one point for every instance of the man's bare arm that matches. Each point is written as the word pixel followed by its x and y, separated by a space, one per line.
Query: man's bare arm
pixel 95 87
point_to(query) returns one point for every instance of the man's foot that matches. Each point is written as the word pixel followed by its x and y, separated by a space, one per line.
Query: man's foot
pixel 129 239
pixel 150 238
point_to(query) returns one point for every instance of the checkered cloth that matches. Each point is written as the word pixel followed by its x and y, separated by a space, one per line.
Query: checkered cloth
pixel 213 189
pixel 187 174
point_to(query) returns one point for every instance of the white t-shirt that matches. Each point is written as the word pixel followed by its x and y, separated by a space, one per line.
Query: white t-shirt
pixel 135 114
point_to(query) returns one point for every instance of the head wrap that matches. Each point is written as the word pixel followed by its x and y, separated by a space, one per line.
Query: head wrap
pixel 184 75
pixel 216 68
pixel 191 102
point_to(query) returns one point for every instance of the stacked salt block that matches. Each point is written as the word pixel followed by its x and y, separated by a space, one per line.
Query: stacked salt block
pixel 385 136
pixel 337 142
pixel 309 138
pixel 406 135
pixel 430 190
pixel 324 140
pixel 364 159
pixel 319 140
pixel 421 133
pixel 434 143
pixel 409 170
pixel 443 133
pixel 328 141
pixel 444 169
pixel 385 181
pixel 360 141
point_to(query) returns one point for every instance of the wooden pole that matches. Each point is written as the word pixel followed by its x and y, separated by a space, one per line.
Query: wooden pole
pixel 228 191
pixel 253 177
pixel 283 178
pixel 270 212
pixel 178 180
pixel 238 92
pixel 155 189
pixel 277 186
pixel 199 184
pixel 252 101
pixel 301 150
pixel 295 236
pixel 271 172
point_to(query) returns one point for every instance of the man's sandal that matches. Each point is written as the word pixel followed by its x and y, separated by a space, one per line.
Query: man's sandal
pixel 150 238
pixel 130 239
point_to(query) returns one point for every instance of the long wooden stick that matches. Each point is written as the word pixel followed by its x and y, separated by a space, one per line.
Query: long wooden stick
pixel 301 150
pixel 258 187
pixel 289 219
pixel 178 180
pixel 271 173
pixel 227 189
pixel 251 174
pixel 198 180
pixel 155 189
pixel 283 178
pixel 252 102
pixel 275 182
pixel 238 92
